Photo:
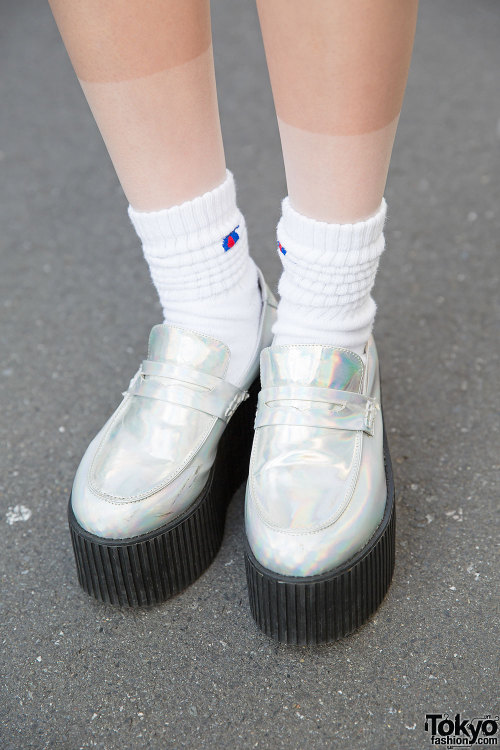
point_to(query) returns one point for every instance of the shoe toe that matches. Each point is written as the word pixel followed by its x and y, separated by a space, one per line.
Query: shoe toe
pixel 113 516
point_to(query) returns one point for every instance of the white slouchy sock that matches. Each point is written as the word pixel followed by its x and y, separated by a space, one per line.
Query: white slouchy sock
pixel 328 274
pixel 198 258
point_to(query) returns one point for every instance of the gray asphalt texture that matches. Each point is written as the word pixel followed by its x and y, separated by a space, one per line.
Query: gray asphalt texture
pixel 76 306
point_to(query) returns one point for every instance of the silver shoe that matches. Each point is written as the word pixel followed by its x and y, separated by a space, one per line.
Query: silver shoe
pixel 319 510
pixel 148 503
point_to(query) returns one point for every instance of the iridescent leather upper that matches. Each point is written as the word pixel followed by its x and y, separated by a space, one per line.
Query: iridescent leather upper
pixel 152 458
pixel 316 491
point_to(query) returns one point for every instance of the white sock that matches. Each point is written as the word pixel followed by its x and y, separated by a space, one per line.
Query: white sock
pixel 328 274
pixel 198 258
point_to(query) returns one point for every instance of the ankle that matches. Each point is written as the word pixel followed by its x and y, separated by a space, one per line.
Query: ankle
pixel 328 274
pixel 198 257
pixel 232 317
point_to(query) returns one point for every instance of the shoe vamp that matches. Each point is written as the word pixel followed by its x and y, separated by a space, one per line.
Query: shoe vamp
pixel 147 445
pixel 302 476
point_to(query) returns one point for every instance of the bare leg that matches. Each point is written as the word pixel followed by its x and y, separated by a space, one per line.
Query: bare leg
pixel 147 72
pixel 338 72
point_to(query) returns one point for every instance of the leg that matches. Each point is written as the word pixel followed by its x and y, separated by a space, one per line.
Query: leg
pixel 338 72
pixel 320 504
pixel 149 497
pixel 147 72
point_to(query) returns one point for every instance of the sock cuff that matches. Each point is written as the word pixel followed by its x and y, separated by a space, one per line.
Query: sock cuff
pixel 195 217
pixel 321 237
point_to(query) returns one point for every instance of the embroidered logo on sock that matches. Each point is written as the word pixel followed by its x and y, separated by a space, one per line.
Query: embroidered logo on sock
pixel 231 239
pixel 281 248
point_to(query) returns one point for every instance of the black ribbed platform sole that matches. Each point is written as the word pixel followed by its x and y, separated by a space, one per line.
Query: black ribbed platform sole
pixel 151 568
pixel 326 607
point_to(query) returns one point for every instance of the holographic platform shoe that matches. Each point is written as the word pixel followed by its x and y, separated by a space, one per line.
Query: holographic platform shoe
pixel 319 511
pixel 148 503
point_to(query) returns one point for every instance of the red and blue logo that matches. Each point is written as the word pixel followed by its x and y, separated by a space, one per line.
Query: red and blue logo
pixel 231 239
pixel 281 248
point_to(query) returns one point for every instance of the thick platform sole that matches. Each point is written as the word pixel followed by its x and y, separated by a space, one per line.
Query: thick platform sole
pixel 326 607
pixel 151 568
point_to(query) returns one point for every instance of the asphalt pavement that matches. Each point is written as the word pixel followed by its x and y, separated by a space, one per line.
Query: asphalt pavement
pixel 76 306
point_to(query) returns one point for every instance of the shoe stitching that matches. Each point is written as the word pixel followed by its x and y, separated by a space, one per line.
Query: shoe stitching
pixel 130 499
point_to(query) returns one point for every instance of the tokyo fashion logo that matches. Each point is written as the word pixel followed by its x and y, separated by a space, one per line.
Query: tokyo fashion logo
pixel 458 732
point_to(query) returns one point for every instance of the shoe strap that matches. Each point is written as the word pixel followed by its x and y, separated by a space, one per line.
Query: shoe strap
pixel 310 406
pixel 186 386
